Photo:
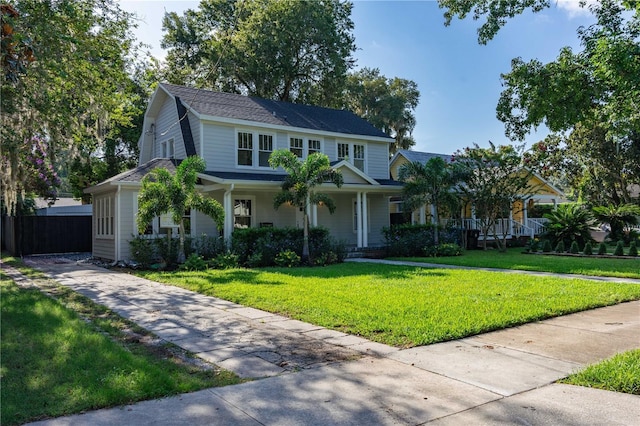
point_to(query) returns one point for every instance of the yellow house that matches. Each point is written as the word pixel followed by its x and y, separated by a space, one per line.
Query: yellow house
pixel 518 223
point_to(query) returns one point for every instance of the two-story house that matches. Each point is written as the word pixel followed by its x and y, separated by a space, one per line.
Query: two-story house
pixel 235 135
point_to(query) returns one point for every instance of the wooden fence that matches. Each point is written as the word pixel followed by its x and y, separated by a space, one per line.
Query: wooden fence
pixel 25 235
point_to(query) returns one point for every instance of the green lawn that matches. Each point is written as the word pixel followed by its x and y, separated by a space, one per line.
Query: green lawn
pixel 515 259
pixel 619 374
pixel 55 362
pixel 400 305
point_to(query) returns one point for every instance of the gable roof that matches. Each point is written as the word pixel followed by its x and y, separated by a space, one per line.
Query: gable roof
pixel 207 103
pixel 420 157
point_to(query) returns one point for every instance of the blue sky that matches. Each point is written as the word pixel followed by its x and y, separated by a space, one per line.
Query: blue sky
pixel 458 79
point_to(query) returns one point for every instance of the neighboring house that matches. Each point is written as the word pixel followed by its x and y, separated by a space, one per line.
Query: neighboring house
pixel 235 135
pixel 517 224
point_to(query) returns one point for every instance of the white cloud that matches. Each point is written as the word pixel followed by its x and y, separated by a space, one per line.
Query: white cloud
pixel 574 8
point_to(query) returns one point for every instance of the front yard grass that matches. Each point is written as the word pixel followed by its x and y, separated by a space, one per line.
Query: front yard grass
pixel 401 305
pixel 620 373
pixel 514 258
pixel 69 355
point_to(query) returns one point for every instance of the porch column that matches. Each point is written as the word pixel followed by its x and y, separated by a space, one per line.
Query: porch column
pixel 359 218
pixel 314 215
pixel 511 222
pixel 228 214
pixel 365 221
pixel 423 215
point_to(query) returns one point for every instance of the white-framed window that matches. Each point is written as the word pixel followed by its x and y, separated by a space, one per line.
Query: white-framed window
pixel 105 216
pixel 343 151
pixel 167 148
pixel 265 149
pixel 315 145
pixel 358 156
pixel 296 145
pixel 245 149
pixel 243 212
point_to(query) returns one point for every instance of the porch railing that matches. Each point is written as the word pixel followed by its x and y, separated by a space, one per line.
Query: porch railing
pixel 534 226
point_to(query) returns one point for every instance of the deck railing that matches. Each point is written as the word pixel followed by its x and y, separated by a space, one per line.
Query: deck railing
pixel 509 227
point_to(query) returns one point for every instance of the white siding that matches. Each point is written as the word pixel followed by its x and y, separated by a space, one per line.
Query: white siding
pixel 219 147
pixel 378 159
pixel 167 127
pixel 203 224
pixel 103 248
pixel 128 206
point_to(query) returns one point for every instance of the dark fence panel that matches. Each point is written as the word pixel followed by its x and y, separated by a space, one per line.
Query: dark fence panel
pixel 46 234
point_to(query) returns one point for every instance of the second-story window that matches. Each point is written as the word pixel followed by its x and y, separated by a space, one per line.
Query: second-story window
pixel 167 149
pixel 314 146
pixel 358 156
pixel 296 145
pixel 266 148
pixel 245 149
pixel 343 151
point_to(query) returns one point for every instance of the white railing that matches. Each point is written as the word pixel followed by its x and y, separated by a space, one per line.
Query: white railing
pixel 534 226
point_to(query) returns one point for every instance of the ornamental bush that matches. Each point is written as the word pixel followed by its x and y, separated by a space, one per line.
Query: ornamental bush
pixel 619 250
pixel 602 249
pixel 546 246
pixel 194 263
pixel 633 248
pixel 287 259
pixel 560 247
pixel 588 249
pixel 417 240
pixel 574 249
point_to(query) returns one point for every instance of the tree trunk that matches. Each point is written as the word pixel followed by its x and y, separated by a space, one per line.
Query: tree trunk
pixel 305 237
pixel 181 256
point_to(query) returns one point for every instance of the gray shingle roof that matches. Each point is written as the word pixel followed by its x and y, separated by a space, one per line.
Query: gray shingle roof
pixel 136 175
pixel 423 157
pixel 230 105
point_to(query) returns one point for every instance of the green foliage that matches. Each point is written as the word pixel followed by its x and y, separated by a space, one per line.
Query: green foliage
pixel 143 251
pixel 226 260
pixel 619 250
pixel 416 240
pixel 534 245
pixel 449 249
pixel 75 89
pixel 546 246
pixel 574 249
pixel 287 259
pixel 258 247
pixel 168 251
pixel 633 248
pixel 290 50
pixel 620 219
pixel 206 246
pixel 588 249
pixel 568 223
pixel 560 247
pixel 388 104
pixel 493 180
pixel 328 258
pixel 298 187
pixel 163 192
pixel 194 263
pixel 429 184
pixel 602 249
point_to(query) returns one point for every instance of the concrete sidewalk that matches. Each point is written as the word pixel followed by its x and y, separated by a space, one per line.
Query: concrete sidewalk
pixel 314 376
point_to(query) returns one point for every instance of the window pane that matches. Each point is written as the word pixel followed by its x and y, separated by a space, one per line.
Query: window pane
pixel 245 149
pixel 343 151
pixel 296 145
pixel 266 147
pixel 314 146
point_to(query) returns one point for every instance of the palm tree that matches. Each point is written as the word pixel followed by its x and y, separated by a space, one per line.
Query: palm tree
pixel 163 192
pixel 429 183
pixel 569 223
pixel 618 217
pixel 297 189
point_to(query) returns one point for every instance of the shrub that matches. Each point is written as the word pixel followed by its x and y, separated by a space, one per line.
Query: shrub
pixel 205 246
pixel 325 259
pixel 287 259
pixel 226 260
pixel 143 251
pixel 633 248
pixel 449 249
pixel 168 250
pixel 588 249
pixel 560 247
pixel 254 261
pixel 534 245
pixel 619 250
pixel 575 249
pixel 569 222
pixel 411 240
pixel 602 249
pixel 194 263
pixel 546 246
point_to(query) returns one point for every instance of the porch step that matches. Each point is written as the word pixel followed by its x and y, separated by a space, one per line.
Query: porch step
pixel 368 252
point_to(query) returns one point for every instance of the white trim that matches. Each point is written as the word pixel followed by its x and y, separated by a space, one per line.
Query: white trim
pixel 354 169
pixel 117 219
pixel 252 213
